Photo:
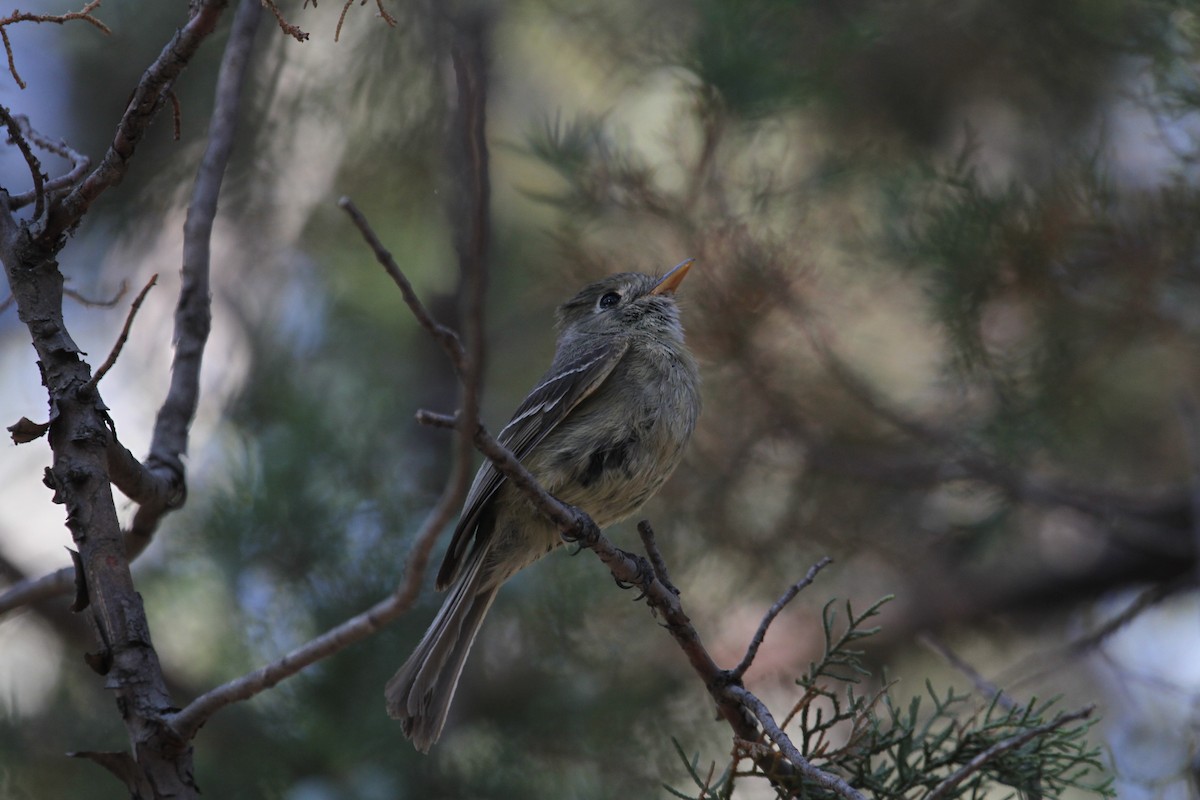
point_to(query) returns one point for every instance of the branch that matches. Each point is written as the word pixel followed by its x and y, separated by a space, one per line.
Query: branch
pixel 79 165
pixel 30 591
pixel 188 721
pixel 825 780
pixel 79 478
pixel 982 685
pixel 1000 748
pixel 16 137
pixel 285 26
pixel 193 313
pixel 383 14
pixel 773 612
pixel 148 98
pixel 158 486
pixel 657 562
pixel 443 335
pixel 84 14
pixel 122 338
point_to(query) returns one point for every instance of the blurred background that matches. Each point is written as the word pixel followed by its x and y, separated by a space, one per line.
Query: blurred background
pixel 947 308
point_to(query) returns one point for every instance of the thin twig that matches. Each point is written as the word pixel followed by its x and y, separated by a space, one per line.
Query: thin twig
pixel 285 26
pixel 1044 664
pixel 91 302
pixel 985 687
pixel 657 562
pixel 982 685
pixel 147 99
pixel 436 420
pixel 443 335
pixel 84 14
pixel 12 64
pixel 384 15
pixel 188 721
pixel 122 338
pixel 79 164
pixel 773 612
pixel 337 33
pixel 1000 748
pixel 176 115
pixel 16 136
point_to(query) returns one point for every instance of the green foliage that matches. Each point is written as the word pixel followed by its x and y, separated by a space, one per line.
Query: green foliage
pixel 945 745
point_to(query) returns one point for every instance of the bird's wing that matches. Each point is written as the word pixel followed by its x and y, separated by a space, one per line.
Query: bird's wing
pixel 563 387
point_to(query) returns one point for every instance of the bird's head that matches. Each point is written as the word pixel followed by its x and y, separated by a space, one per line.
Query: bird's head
pixel 626 303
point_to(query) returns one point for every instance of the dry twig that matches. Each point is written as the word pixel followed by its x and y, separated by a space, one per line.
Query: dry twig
pixel 84 14
pixel 773 612
pixel 17 137
pixel 285 26
pixel 121 339
pixel 79 165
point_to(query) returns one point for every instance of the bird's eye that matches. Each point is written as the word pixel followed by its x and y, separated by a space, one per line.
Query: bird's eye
pixel 609 300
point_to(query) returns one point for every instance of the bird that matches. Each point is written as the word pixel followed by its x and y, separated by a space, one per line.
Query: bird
pixel 602 430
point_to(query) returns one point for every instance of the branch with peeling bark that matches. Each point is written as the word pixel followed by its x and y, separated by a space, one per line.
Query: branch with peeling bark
pixel 158 484
pixel 87 458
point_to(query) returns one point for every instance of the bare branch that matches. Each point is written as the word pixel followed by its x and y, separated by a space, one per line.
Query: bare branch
pixel 188 721
pixel 285 26
pixel 158 486
pixel 444 336
pixel 657 562
pixel 826 780
pixel 147 99
pixel 1043 664
pixel 337 33
pixel 384 15
pixel 12 64
pixel 982 685
pixel 121 339
pixel 436 420
pixel 16 137
pixel 773 612
pixel 90 302
pixel 193 312
pixel 1000 748
pixel 31 591
pixel 79 165
pixel 84 14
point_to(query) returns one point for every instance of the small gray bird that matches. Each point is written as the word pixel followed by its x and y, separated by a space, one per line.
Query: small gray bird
pixel 602 430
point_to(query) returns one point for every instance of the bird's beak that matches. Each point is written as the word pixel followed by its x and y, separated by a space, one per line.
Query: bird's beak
pixel 668 283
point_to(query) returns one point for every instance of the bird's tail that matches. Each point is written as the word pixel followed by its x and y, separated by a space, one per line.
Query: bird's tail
pixel 419 694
